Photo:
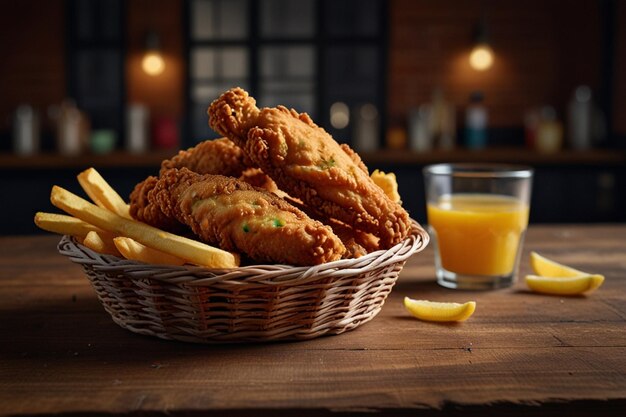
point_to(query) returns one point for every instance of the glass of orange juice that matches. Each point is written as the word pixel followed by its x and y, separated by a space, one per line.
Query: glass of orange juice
pixel 477 215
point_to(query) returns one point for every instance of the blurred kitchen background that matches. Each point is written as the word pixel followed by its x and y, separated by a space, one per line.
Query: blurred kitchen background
pixel 121 85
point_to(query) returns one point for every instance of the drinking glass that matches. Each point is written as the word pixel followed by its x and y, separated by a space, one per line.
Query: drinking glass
pixel 477 215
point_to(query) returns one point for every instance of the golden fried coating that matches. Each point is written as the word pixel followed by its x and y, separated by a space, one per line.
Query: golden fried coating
pixel 238 217
pixel 143 210
pixel 307 163
pixel 219 156
pixel 356 158
pixel 357 242
pixel 256 177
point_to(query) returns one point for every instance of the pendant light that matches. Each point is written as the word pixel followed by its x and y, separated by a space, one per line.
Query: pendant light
pixel 153 63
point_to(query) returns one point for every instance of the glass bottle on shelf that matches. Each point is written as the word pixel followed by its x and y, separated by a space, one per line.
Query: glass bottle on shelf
pixel 25 130
pixel 550 132
pixel 579 118
pixel 476 119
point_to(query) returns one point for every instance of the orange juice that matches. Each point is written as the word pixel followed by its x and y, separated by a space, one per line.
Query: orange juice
pixel 478 234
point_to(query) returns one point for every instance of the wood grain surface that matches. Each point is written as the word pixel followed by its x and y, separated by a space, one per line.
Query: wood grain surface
pixel 520 354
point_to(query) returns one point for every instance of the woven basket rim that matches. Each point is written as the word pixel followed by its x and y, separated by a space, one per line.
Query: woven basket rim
pixel 268 274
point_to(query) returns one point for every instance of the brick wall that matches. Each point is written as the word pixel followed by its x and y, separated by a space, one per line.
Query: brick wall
pixel 32 60
pixel 543 49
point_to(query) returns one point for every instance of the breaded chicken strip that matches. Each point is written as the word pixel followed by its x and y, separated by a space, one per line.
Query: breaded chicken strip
pixel 220 157
pixel 143 210
pixel 307 163
pixel 238 217
pixel 256 177
pixel 357 242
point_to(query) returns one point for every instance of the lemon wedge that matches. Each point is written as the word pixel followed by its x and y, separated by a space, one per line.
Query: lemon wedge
pixel 436 311
pixel 388 183
pixel 548 268
pixel 564 285
pixel 555 278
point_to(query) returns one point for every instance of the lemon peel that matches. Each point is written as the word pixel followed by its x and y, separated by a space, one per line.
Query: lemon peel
pixel 564 285
pixel 438 311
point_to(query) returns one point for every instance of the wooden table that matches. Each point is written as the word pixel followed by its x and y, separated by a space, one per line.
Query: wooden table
pixel 520 354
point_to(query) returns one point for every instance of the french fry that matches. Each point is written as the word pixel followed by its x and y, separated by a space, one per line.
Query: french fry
pixel 102 193
pixel 388 183
pixel 138 252
pixel 64 224
pixel 191 250
pixel 101 243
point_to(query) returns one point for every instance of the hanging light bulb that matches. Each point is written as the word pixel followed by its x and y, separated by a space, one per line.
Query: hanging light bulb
pixel 153 63
pixel 482 56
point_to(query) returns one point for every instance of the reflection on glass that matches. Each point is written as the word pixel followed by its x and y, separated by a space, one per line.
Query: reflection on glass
pixel 287 18
pixel 296 95
pixel 234 63
pixel 219 19
pixel 291 61
pixel 209 62
pixel 202 18
pixel 287 77
pixel 207 92
pixel 203 63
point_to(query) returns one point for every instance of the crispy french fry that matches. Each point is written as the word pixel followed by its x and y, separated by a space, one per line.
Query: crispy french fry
pixel 188 249
pixel 101 243
pixel 138 252
pixel 388 183
pixel 102 193
pixel 64 224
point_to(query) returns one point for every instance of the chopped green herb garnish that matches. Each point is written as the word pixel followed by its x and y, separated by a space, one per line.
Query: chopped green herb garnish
pixel 277 223
pixel 326 164
pixel 245 228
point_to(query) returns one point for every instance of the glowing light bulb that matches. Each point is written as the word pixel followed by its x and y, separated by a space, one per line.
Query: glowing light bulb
pixel 481 57
pixel 153 63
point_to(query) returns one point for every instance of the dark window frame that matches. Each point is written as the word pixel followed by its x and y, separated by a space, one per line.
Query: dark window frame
pixel 320 41
pixel 74 46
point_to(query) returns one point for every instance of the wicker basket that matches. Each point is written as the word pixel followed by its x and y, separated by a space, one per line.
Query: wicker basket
pixel 251 303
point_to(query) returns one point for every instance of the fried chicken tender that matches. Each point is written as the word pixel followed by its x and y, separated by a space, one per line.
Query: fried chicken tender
pixel 218 156
pixel 307 163
pixel 357 242
pixel 238 217
pixel 147 212
pixel 257 178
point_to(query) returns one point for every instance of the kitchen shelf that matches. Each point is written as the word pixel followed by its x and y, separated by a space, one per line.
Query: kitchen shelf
pixel 595 157
pixel 117 159
pixel 121 159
